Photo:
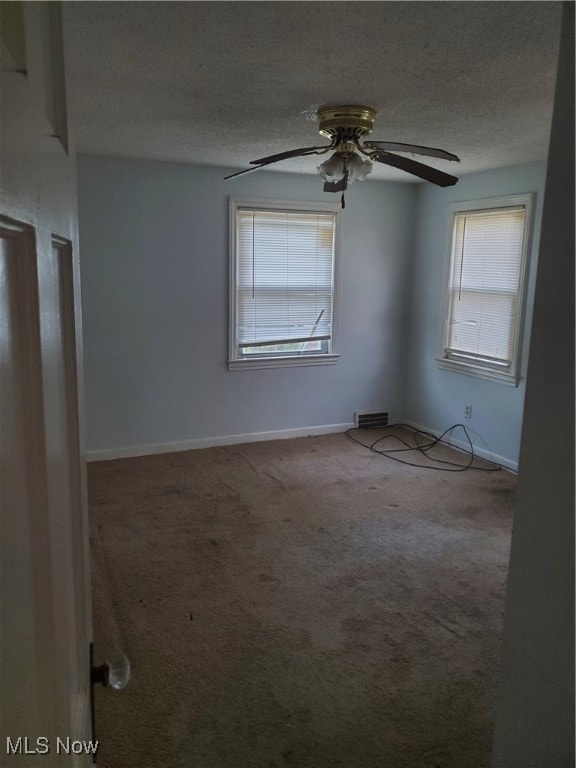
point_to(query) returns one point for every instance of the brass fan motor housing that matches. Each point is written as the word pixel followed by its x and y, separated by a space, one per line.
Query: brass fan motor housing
pixel 347 120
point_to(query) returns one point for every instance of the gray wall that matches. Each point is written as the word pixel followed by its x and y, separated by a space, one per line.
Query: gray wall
pixel 434 397
pixel 154 252
pixel 535 722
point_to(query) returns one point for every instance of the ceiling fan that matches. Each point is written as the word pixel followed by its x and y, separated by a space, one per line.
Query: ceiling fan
pixel 346 126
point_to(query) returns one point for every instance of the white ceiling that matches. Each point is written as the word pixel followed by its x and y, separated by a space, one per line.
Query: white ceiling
pixel 223 83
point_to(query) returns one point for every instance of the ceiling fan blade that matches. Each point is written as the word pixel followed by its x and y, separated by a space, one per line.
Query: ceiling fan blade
pixel 416 169
pixel 263 161
pixel 291 153
pixel 241 173
pixel 394 146
pixel 336 186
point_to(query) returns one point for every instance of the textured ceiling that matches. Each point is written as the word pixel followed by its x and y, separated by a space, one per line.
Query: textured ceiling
pixel 222 83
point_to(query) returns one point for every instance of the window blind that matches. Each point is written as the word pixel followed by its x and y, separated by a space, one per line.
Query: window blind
pixel 487 249
pixel 284 277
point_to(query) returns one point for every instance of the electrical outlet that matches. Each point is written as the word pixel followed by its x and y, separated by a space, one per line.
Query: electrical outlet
pixel 468 411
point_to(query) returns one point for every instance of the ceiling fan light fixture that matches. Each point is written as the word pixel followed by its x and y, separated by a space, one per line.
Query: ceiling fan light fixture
pixel 358 168
pixel 347 126
pixel 334 169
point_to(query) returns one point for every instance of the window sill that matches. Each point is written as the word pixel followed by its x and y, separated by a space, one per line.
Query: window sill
pixel 282 362
pixel 478 371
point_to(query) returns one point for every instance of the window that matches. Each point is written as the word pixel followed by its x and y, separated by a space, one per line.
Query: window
pixel 488 254
pixel 282 283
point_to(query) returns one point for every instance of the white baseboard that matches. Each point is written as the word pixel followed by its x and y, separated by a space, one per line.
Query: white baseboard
pixel 482 453
pixel 151 449
pixel 107 454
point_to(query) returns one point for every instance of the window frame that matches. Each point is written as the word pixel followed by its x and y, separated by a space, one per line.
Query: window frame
pixel 235 362
pixel 474 367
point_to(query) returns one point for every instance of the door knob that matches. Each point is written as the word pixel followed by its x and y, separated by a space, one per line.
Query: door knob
pixel 114 673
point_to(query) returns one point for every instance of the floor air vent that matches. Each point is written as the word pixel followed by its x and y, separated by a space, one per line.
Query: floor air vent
pixel 371 419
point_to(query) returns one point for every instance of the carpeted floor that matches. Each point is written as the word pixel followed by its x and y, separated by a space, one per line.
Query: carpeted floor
pixel 298 604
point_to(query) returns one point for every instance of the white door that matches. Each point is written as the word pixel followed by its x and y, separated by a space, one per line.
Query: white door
pixel 45 622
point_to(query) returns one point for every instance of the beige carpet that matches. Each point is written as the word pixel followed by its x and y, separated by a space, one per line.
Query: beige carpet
pixel 298 604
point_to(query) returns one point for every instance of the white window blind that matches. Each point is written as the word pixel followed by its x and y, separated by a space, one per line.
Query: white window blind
pixel 284 281
pixel 486 272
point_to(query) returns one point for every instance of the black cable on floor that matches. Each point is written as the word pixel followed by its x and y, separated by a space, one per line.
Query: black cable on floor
pixel 424 448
